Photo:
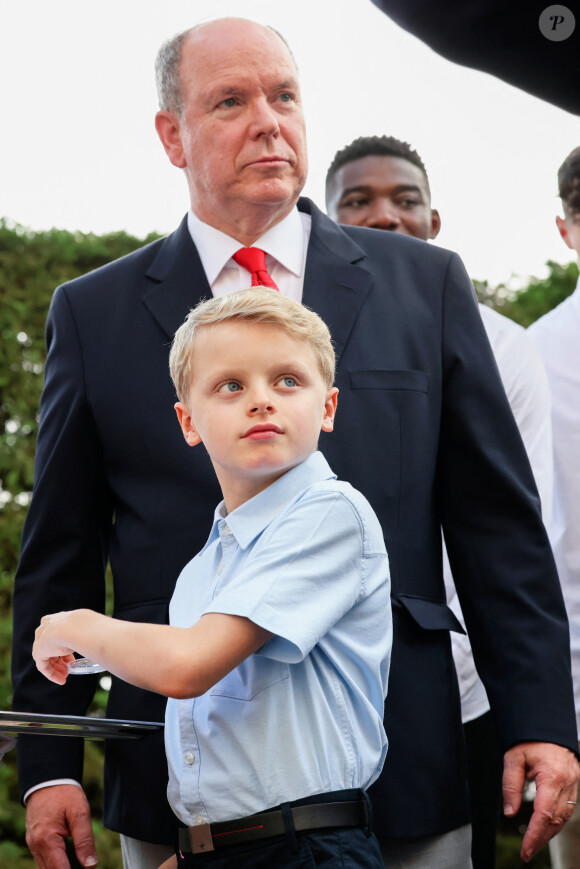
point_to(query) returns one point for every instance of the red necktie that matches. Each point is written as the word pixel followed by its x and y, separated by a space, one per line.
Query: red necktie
pixel 254 260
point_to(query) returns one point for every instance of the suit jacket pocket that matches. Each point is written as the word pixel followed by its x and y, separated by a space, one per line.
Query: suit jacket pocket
pixel 252 676
pixel 409 381
pixel 432 615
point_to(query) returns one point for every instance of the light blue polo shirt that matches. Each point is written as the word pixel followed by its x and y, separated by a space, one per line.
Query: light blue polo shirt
pixel 306 560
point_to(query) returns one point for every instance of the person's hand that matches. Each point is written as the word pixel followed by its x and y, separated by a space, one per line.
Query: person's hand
pixel 52 814
pixel 556 773
pixel 50 655
pixel 169 864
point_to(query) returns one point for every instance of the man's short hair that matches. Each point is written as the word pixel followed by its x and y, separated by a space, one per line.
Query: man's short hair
pixel 168 60
pixel 258 305
pixel 374 146
pixel 167 77
pixel 569 182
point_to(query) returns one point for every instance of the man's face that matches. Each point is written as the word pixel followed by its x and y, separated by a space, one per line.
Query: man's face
pixel 383 193
pixel 241 136
pixel 258 402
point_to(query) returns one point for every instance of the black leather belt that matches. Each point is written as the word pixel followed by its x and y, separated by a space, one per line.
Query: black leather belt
pixel 266 825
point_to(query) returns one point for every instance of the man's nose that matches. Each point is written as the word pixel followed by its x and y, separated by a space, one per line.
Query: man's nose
pixel 265 121
pixel 383 214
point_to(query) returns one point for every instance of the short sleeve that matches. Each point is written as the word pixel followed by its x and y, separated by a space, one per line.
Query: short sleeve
pixel 309 568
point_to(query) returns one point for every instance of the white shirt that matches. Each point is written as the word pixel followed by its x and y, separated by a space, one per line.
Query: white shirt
pixel 526 384
pixel 557 337
pixel 285 244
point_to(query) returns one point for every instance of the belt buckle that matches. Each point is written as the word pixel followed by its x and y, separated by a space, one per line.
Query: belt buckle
pixel 201 839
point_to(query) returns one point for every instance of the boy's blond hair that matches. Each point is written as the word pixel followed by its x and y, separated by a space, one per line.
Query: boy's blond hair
pixel 259 305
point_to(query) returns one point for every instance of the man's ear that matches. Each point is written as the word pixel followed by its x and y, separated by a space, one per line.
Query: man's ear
pixel 330 409
pixel 169 131
pixel 563 230
pixel 435 223
pixel 190 433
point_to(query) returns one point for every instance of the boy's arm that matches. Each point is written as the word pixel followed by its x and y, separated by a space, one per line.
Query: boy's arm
pixel 175 662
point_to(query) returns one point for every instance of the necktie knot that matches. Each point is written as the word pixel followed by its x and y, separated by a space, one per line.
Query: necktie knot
pixel 253 259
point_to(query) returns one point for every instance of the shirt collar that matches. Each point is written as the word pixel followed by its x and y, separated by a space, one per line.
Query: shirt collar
pixel 284 241
pixel 252 517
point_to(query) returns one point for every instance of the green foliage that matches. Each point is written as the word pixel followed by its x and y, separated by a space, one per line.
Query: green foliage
pixel 32 264
pixel 528 304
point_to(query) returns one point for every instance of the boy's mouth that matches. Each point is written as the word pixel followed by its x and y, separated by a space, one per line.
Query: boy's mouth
pixel 262 432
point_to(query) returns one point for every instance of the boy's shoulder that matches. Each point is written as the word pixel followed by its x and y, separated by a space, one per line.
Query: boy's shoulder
pixel 348 502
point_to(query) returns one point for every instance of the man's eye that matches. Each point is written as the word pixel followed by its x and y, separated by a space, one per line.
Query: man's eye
pixel 286 98
pixel 355 203
pixel 230 386
pixel 228 103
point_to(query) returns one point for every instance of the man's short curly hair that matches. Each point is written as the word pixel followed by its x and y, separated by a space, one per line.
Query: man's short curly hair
pixel 374 146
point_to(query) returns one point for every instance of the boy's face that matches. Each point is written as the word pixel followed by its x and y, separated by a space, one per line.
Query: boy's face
pixel 569 228
pixel 257 401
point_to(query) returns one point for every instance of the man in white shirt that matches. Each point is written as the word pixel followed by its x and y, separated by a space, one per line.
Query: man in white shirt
pixel 557 336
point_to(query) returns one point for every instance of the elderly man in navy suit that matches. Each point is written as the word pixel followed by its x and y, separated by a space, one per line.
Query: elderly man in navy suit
pixel 425 432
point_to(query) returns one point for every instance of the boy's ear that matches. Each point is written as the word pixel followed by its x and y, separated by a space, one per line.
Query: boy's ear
pixel 330 409
pixel 186 422
pixel 563 230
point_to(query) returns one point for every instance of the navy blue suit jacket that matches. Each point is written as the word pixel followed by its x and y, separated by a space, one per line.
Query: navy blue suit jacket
pixel 423 429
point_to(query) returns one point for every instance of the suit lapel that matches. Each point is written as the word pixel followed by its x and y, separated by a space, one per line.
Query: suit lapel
pixel 336 282
pixel 177 281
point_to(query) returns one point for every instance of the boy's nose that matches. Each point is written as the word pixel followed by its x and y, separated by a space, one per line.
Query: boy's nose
pixel 261 407
pixel 260 401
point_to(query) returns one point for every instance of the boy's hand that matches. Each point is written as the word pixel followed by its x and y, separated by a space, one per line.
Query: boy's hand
pixel 50 655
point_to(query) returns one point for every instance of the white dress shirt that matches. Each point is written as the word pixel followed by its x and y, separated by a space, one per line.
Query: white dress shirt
pixel 526 384
pixel 557 337
pixel 285 244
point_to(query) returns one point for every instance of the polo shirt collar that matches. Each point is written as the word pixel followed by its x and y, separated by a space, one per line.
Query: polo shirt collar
pixel 254 516
pixel 284 241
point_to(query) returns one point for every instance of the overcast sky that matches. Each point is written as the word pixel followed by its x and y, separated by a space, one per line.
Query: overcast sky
pixel 79 149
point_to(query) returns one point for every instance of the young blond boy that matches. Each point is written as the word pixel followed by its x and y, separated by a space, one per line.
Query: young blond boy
pixel 277 654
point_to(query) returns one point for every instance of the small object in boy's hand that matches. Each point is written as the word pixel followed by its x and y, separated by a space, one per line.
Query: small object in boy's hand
pixel 82 666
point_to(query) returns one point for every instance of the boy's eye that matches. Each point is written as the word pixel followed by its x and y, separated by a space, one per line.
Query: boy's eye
pixel 230 386
pixel 288 382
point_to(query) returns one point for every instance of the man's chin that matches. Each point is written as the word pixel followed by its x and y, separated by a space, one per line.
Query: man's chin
pixel 274 193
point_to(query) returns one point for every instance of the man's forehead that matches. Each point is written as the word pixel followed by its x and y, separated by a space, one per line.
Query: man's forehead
pixel 380 170
pixel 234 43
